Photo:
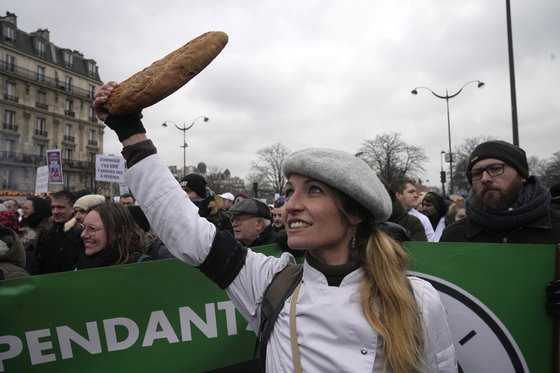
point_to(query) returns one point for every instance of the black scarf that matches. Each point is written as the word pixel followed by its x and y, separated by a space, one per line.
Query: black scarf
pixel 532 202
pixel 106 257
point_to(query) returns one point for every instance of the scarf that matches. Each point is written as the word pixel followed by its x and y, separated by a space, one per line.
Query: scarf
pixel 106 257
pixel 532 202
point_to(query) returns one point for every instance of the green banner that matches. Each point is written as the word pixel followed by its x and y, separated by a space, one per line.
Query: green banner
pixel 166 316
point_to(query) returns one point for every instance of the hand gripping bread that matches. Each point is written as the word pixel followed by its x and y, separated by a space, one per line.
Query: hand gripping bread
pixel 167 75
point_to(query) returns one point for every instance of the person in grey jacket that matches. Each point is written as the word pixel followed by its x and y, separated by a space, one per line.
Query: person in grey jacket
pixel 355 309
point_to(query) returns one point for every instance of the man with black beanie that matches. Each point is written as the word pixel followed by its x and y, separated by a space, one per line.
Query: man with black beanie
pixel 507 205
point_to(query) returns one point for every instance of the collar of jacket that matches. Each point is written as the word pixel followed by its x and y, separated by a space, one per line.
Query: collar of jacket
pixel 543 222
pixel 69 224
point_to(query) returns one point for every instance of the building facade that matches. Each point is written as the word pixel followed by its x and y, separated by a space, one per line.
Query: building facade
pixel 47 92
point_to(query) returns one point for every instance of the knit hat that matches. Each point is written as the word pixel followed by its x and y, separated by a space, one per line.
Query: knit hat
pixel 9 219
pixel 438 201
pixel 139 217
pixel 196 183
pixel 345 172
pixel 252 207
pixel 504 151
pixel 88 201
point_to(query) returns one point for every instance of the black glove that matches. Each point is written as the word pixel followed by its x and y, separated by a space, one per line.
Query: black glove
pixel 553 298
pixel 125 125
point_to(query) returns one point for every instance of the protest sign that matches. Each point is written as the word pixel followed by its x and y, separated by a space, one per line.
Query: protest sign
pixel 109 168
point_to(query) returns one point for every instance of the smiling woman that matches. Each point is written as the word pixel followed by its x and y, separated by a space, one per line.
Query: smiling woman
pixel 110 237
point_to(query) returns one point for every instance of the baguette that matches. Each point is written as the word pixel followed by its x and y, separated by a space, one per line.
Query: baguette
pixel 166 75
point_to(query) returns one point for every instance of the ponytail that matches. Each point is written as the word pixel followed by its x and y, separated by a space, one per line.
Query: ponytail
pixel 388 301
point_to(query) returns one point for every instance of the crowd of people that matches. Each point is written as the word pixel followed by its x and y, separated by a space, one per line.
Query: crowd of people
pixel 334 213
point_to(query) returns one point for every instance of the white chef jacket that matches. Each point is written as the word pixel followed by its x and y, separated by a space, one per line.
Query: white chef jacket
pixel 333 335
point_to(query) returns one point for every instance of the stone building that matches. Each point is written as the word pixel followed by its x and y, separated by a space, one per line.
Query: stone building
pixel 46 104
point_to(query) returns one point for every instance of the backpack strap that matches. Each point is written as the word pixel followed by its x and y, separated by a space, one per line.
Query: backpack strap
pixel 280 288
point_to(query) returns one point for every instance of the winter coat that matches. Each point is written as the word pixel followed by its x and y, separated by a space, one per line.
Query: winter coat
pixel 58 247
pixel 12 255
pixel 544 230
pixel 409 222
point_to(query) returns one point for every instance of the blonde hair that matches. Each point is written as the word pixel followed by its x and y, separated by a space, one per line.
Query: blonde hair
pixel 388 302
pixel 386 296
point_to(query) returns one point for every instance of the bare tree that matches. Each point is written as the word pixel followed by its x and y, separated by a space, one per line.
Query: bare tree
pixel 392 158
pixel 267 169
pixel 461 160
pixel 551 175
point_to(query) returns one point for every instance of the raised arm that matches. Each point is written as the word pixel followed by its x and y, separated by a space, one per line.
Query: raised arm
pixel 170 212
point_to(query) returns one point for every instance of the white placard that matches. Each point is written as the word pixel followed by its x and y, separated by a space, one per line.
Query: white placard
pixel 109 168
pixel 42 180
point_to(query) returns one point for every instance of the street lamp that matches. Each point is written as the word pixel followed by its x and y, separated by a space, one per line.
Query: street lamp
pixel 185 128
pixel 442 173
pixel 446 98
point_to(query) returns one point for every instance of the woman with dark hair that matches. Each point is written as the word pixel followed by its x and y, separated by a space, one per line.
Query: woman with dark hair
pixel 110 237
pixel 36 214
pixel 355 309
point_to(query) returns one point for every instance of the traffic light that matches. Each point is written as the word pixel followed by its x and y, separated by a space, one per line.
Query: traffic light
pixel 442 176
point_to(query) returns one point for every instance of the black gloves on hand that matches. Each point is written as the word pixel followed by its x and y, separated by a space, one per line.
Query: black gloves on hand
pixel 553 298
pixel 125 125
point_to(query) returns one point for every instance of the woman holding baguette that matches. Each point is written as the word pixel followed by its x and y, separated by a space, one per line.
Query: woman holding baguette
pixel 355 309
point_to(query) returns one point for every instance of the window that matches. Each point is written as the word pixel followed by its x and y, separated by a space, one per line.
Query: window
pixel 68 58
pixel 69 108
pixel 10 120
pixel 40 127
pixel 40 73
pixel 92 115
pixel 91 90
pixel 42 100
pixel 10 91
pixel 92 137
pixel 67 153
pixel 67 129
pixel 9 33
pixel 92 157
pixel 40 48
pixel 91 68
pixel 10 62
pixel 68 83
pixel 40 150
pixel 9 145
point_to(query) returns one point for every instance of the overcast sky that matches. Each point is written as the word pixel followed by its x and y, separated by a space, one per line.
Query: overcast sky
pixel 325 73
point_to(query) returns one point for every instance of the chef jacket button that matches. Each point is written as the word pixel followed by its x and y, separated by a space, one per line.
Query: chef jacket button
pixel 364 351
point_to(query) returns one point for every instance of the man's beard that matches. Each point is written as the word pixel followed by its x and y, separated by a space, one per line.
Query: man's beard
pixel 492 199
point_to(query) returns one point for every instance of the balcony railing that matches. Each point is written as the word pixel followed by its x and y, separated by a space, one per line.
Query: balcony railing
pixel 11 98
pixel 92 142
pixel 41 133
pixel 40 105
pixel 10 126
pixel 43 80
pixel 32 159
pixel 69 138
pixel 69 113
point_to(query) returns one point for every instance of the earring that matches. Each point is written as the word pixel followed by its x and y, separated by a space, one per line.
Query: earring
pixel 353 242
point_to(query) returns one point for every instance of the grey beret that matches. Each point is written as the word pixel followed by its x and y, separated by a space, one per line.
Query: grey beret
pixel 345 172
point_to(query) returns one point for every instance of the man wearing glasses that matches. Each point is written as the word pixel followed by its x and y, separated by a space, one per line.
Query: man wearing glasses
pixel 505 204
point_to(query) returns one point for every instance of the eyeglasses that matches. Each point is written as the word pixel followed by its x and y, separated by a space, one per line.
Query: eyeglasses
pixel 91 230
pixel 495 169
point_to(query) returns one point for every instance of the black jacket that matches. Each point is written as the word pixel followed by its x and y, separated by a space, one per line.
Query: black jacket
pixel 59 246
pixel 543 230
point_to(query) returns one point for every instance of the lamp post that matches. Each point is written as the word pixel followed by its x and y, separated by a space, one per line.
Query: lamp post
pixel 446 98
pixel 185 128
pixel 442 173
